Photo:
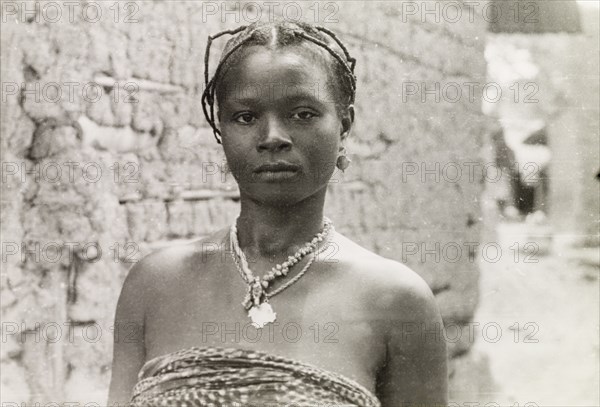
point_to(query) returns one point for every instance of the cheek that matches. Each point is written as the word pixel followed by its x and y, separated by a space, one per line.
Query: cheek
pixel 235 154
pixel 323 153
pixel 236 141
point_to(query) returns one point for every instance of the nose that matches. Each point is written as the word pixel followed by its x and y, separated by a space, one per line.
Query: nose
pixel 274 137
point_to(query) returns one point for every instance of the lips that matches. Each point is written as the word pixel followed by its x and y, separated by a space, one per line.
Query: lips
pixel 279 166
pixel 276 171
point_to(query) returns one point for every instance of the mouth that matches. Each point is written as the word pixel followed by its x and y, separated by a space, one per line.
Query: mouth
pixel 276 171
pixel 279 166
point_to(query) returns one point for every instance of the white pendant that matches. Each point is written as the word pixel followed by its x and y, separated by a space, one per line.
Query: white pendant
pixel 262 314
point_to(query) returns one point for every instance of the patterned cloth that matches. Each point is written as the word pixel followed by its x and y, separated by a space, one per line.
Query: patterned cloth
pixel 220 377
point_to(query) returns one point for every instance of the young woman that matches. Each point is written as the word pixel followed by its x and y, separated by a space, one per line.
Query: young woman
pixel 278 309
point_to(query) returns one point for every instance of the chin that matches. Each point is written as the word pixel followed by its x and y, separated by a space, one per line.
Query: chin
pixel 278 195
pixel 276 198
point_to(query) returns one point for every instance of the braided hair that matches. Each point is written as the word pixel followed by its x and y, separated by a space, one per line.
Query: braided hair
pixel 279 33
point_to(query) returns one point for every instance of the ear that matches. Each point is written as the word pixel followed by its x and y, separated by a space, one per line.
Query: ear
pixel 347 116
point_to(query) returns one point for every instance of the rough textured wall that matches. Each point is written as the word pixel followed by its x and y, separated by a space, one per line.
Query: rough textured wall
pixel 92 180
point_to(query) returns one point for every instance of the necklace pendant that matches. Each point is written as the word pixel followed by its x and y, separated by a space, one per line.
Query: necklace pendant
pixel 262 314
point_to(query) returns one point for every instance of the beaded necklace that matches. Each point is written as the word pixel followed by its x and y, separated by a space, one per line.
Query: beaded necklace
pixel 256 301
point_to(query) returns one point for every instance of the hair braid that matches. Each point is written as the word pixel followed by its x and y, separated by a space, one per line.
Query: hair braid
pixel 335 55
pixel 284 33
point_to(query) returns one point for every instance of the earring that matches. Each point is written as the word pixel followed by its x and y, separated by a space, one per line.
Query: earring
pixel 343 161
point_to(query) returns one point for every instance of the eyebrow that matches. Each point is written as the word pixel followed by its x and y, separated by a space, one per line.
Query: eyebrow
pixel 292 94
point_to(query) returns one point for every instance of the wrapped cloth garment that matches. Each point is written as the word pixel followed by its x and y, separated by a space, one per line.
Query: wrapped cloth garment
pixel 218 377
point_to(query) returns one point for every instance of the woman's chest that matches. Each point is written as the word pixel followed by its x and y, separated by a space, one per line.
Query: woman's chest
pixel 315 323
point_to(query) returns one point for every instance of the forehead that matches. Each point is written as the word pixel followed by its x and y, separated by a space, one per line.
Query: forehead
pixel 293 70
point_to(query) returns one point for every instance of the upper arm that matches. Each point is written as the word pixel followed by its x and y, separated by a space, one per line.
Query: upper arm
pixel 129 350
pixel 415 372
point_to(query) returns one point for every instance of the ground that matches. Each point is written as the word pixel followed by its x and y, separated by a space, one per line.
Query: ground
pixel 554 360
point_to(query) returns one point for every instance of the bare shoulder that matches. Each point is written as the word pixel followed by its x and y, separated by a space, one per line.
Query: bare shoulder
pixel 391 289
pixel 170 264
pixel 412 368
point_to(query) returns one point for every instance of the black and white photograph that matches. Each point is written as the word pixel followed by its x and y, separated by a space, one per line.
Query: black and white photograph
pixel 300 203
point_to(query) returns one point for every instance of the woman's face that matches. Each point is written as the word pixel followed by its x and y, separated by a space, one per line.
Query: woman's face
pixel 280 128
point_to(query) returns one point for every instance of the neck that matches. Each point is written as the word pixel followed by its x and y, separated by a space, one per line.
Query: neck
pixel 275 230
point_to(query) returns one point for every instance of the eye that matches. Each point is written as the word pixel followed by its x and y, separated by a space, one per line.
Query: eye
pixel 304 115
pixel 244 118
